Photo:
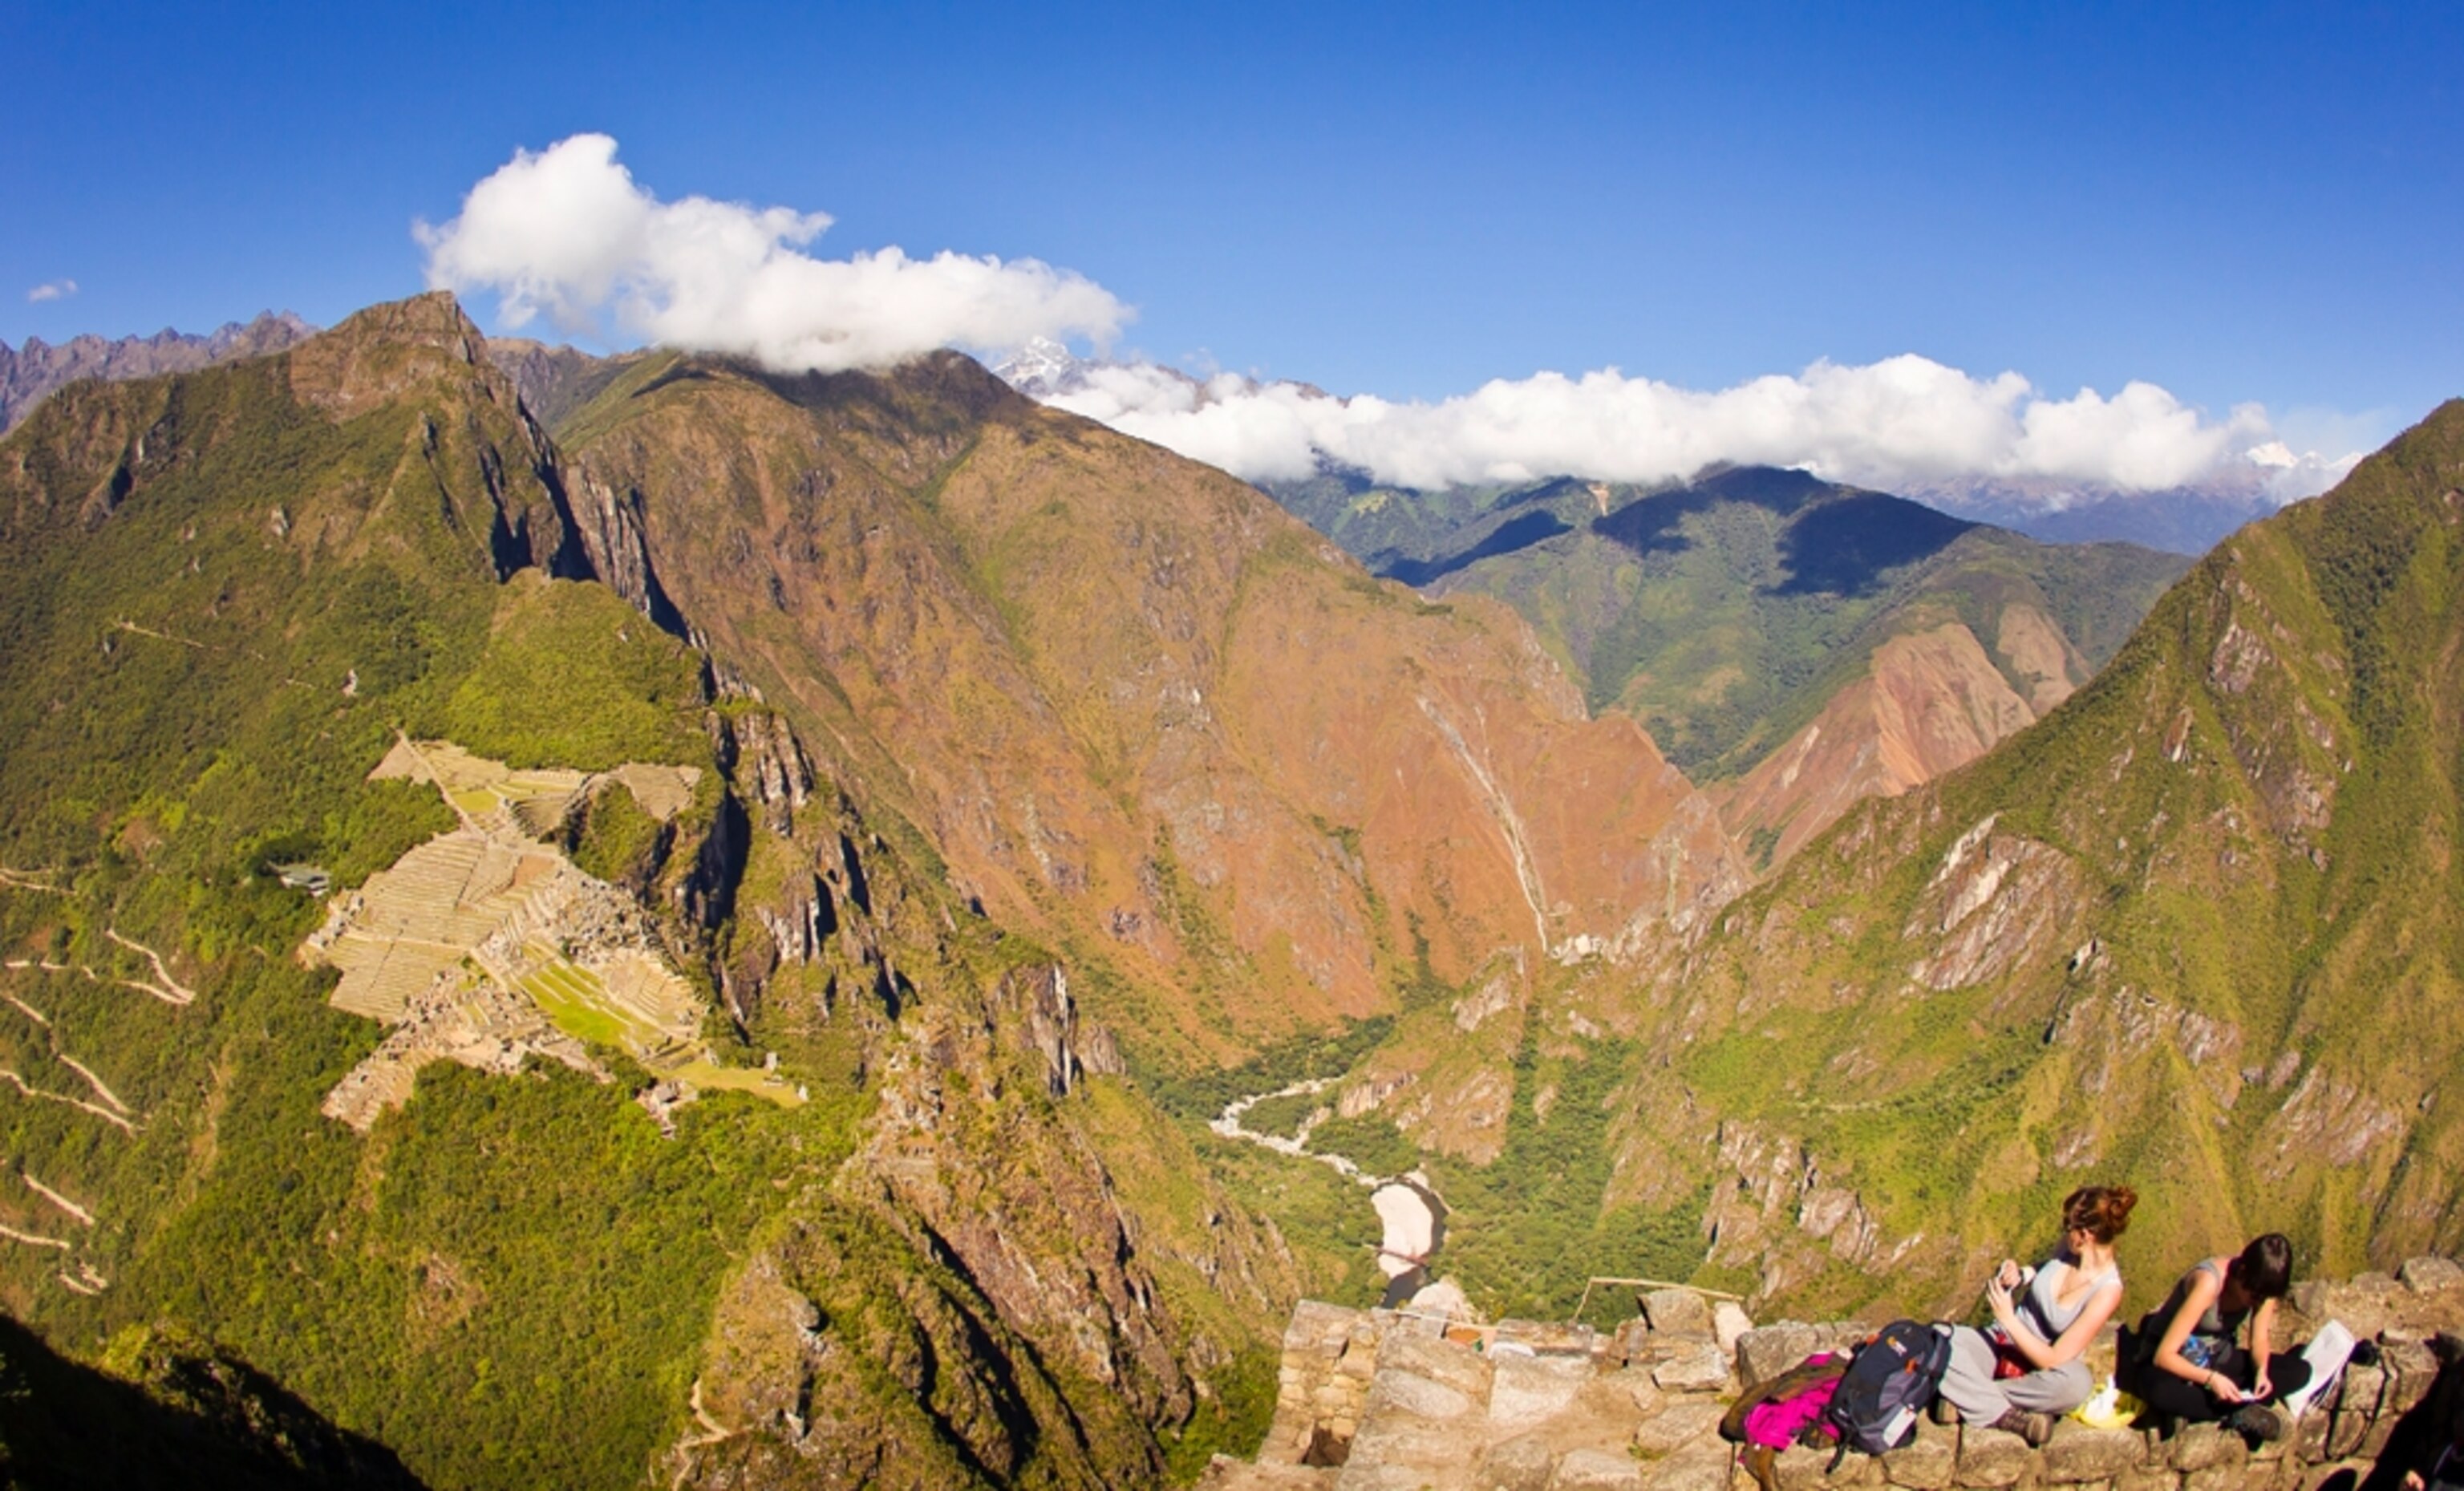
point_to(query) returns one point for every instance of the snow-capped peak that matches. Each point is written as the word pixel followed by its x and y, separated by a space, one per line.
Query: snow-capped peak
pixel 1040 369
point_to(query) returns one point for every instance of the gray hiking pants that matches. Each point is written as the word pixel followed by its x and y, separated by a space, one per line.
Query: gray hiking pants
pixel 1970 1386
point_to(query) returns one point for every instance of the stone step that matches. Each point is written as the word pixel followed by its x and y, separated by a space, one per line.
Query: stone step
pixel 1227 1473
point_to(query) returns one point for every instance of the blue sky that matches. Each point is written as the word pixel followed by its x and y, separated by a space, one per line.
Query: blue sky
pixel 2239 203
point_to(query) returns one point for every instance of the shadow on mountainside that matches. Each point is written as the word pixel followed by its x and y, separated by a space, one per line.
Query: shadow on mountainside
pixel 1833 541
pixel 1521 532
pixel 1844 547
pixel 198 1419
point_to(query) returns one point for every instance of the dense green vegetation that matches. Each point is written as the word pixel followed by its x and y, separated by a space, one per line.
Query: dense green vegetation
pixel 1202 1094
pixel 495 1254
pixel 1369 1141
pixel 572 676
pixel 1526 1230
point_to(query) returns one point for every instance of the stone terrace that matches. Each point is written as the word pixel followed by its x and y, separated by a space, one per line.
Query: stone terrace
pixel 1376 1401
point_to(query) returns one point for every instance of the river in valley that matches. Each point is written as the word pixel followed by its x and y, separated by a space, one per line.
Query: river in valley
pixel 1412 1216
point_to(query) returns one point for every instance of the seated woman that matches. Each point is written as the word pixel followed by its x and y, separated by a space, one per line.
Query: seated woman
pixel 2433 1452
pixel 2027 1370
pixel 2185 1364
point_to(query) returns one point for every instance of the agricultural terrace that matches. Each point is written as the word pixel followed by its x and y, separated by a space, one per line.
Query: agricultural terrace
pixel 487 945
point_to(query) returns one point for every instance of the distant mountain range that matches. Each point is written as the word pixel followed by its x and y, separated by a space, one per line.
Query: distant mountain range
pixel 2187 520
pixel 30 374
pixel 1793 644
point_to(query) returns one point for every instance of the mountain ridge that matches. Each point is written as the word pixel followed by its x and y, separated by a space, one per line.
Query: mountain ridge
pixel 2170 894
pixel 32 372
pixel 1796 643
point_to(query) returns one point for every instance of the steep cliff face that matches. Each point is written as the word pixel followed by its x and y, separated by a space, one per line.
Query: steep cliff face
pixel 1133 705
pixel 2197 929
pixel 1928 703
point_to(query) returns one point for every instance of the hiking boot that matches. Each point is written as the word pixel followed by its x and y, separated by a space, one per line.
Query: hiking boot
pixel 2257 1422
pixel 2034 1428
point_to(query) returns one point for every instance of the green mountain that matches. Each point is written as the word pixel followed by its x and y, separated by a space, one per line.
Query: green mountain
pixel 702 948
pixel 1724 613
pixel 2200 931
pixel 934 1246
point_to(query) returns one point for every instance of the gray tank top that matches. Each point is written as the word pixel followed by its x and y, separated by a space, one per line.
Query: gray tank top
pixel 2043 1308
pixel 2215 1327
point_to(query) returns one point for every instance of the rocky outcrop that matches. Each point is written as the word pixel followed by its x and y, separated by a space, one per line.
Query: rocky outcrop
pixel 608 525
pixel 1377 1398
pixel 1929 702
pixel 1045 1022
pixel 968 1301
pixel 554 381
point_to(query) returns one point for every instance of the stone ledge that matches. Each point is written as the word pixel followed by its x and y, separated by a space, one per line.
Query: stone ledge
pixel 1526 1405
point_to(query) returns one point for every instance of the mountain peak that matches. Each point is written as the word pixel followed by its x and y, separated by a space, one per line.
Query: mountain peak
pixel 369 357
pixel 1040 369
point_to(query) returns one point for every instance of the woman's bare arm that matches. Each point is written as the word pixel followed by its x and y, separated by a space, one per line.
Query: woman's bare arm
pixel 2203 1287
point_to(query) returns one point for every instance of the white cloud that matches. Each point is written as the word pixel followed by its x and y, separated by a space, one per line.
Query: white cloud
pixel 1905 420
pixel 568 234
pixel 51 290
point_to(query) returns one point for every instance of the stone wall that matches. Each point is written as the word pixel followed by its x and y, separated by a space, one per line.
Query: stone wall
pixel 1378 1400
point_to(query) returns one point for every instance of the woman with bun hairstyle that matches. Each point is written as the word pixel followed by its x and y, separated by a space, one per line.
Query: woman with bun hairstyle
pixel 2027 1369
pixel 2186 1365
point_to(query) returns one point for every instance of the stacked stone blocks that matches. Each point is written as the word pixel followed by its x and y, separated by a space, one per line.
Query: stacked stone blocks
pixel 1377 1399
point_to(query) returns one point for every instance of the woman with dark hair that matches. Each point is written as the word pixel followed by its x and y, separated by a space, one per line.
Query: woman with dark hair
pixel 2027 1370
pixel 2187 1366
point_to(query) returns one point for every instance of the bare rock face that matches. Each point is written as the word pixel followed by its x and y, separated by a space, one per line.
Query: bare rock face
pixel 1929 702
pixel 1996 899
pixel 1046 1021
pixel 380 353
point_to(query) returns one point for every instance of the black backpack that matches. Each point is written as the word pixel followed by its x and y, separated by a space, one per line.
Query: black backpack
pixel 1891 1380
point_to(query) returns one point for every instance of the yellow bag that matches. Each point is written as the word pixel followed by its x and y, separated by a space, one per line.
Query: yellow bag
pixel 2108 1407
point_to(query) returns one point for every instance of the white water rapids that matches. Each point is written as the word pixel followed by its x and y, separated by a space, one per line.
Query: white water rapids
pixel 1412 1214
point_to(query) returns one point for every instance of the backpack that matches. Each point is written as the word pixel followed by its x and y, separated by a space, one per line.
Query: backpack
pixel 1890 1380
pixel 1800 1418
pixel 1774 1412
